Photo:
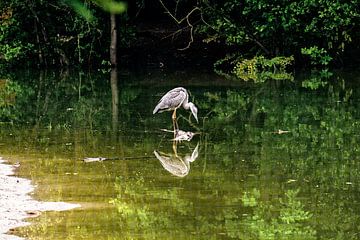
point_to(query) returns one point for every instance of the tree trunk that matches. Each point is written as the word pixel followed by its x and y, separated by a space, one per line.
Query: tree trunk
pixel 113 42
pixel 115 99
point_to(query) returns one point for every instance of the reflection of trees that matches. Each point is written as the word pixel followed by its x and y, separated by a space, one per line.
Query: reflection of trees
pixel 12 95
pixel 142 214
pixel 319 152
pixel 286 220
pixel 241 152
pixel 143 207
pixel 58 99
pixel 65 100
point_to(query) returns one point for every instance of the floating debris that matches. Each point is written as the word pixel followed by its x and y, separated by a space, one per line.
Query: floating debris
pixel 100 159
pixel 281 131
pixel 94 159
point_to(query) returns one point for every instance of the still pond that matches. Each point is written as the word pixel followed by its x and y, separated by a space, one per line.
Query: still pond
pixel 270 160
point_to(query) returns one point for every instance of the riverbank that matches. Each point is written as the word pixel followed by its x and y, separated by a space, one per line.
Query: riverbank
pixel 16 204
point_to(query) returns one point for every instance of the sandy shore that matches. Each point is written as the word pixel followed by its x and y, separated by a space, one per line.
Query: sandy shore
pixel 16 203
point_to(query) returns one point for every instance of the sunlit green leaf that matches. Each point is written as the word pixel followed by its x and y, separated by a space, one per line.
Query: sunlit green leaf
pixel 112 6
pixel 81 9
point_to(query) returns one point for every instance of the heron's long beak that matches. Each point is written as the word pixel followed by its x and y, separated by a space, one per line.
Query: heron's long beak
pixel 196 118
pixel 194 111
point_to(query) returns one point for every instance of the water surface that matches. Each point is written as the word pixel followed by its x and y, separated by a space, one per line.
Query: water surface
pixel 275 160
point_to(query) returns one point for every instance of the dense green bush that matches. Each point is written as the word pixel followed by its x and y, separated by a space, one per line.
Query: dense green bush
pixel 55 33
pixel 317 33
pixel 46 33
pixel 321 29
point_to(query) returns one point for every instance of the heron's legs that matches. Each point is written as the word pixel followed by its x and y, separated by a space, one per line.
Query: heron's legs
pixel 175 124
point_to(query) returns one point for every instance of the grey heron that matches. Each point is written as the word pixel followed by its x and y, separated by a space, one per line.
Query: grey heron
pixel 174 99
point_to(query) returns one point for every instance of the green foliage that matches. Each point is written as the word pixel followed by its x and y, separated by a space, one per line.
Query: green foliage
pixel 37 33
pixel 111 6
pixel 16 48
pixel 323 29
pixel 260 69
pixel 49 39
pixel 317 55
pixel 107 5
pixel 81 9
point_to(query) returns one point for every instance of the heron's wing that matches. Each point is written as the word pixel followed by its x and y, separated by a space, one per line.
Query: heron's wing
pixel 171 100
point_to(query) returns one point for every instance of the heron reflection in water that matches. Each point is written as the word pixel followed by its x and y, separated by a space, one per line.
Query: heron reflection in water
pixel 174 99
pixel 175 164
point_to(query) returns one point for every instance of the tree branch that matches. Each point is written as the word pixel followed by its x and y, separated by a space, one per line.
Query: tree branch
pixel 187 19
pixel 252 38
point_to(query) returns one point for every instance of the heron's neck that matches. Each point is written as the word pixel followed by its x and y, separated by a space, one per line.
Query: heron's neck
pixel 186 104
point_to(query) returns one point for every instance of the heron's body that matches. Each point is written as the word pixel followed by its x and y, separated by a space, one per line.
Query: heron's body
pixel 174 99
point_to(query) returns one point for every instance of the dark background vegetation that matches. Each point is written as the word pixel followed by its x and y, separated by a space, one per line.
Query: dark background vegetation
pixel 317 33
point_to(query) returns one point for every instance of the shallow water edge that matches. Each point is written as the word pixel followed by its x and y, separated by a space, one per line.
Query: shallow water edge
pixel 17 204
